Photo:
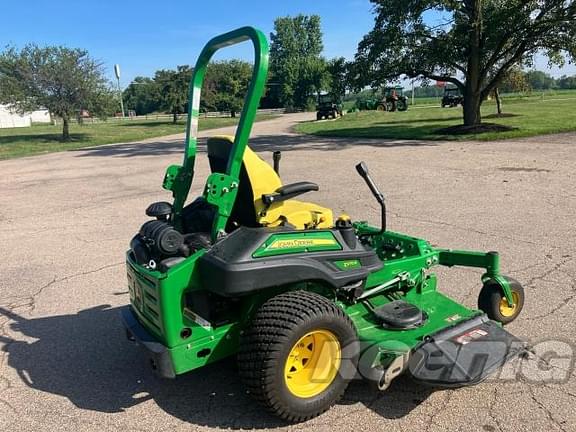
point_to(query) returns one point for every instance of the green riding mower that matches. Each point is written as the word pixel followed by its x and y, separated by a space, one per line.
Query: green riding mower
pixel 305 301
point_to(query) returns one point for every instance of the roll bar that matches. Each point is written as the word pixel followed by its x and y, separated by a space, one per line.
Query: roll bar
pixel 179 179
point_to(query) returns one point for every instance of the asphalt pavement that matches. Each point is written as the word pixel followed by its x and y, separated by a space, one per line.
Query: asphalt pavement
pixel 66 220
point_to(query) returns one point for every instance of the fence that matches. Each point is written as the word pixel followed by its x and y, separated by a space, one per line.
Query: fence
pixel 167 117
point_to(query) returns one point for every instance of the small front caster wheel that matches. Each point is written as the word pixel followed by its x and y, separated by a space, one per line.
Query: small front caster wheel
pixel 493 302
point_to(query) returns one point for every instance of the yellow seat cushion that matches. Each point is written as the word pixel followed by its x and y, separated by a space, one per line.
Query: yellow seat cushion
pixel 264 180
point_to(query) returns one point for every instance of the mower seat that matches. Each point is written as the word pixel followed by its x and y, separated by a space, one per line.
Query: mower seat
pixel 262 200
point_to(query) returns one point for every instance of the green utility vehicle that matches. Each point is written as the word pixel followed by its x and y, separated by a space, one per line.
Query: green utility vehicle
pixel 328 106
pixel 305 301
pixel 452 97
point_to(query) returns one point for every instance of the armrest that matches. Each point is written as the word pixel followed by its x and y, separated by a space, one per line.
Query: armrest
pixel 289 191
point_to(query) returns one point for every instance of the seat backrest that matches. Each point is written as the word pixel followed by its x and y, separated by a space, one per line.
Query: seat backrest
pixel 256 178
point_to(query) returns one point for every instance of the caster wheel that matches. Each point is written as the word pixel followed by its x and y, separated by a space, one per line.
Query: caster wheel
pixel 492 301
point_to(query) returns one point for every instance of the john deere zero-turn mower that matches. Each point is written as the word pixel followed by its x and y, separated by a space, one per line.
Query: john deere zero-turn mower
pixel 304 301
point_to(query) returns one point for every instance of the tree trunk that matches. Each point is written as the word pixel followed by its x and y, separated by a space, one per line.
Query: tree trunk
pixel 498 100
pixel 65 128
pixel 472 102
pixel 174 117
pixel 472 91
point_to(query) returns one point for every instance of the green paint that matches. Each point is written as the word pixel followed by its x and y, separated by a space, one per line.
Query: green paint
pixel 182 181
pixel 289 243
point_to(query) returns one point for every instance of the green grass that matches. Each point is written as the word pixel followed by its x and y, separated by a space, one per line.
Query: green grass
pixel 532 117
pixel 534 95
pixel 18 142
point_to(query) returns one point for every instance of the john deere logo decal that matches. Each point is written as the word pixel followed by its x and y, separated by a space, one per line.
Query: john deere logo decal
pixel 282 244
pixel 299 243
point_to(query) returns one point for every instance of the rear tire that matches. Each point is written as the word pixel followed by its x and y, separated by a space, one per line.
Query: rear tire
pixel 491 300
pixel 289 332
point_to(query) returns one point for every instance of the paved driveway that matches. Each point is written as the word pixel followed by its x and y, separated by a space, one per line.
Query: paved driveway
pixel 66 220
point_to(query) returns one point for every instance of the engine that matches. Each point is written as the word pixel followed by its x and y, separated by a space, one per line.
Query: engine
pixel 159 246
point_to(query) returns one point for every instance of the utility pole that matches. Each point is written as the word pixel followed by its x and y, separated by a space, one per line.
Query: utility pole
pixel 117 73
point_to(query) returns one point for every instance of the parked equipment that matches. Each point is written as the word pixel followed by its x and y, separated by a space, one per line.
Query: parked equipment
pixel 394 99
pixel 304 300
pixel 452 97
pixel 328 106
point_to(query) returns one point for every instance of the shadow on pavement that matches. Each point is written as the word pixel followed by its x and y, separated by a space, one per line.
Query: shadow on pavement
pixel 86 358
pixel 42 138
pixel 286 142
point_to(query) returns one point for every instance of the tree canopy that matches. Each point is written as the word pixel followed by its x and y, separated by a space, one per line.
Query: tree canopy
pixel 142 96
pixel 63 80
pixel 295 59
pixel 472 45
pixel 172 88
pixel 337 70
pixel 226 85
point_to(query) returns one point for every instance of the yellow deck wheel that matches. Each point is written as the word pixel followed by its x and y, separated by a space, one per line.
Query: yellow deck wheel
pixel 506 310
pixel 312 364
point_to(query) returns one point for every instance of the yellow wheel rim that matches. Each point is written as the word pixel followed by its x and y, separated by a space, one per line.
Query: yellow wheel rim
pixel 506 310
pixel 312 364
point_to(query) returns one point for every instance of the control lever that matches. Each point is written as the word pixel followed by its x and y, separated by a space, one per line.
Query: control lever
pixel 276 156
pixel 362 169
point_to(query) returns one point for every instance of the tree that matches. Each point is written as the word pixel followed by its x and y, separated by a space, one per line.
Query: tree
pixel 540 80
pixel 337 71
pixel 473 44
pixel 514 81
pixel 59 79
pixel 567 82
pixel 142 96
pixel 295 58
pixel 226 85
pixel 173 89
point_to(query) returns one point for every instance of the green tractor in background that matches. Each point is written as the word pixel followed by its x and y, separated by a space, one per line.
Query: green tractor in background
pixel 391 99
pixel 305 301
pixel 328 106
pixel 368 104
pixel 394 99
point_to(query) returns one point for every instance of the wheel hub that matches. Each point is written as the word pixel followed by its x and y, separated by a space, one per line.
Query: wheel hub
pixel 312 364
pixel 507 310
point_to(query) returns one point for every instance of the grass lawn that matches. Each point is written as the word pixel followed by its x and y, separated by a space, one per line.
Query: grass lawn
pixel 17 142
pixel 531 117
pixel 535 95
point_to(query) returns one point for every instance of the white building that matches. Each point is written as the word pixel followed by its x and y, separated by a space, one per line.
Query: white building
pixel 10 119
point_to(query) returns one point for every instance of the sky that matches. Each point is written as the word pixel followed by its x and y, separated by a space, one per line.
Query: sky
pixel 143 36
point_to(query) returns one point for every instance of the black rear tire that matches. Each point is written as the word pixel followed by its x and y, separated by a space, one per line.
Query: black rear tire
pixel 277 327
